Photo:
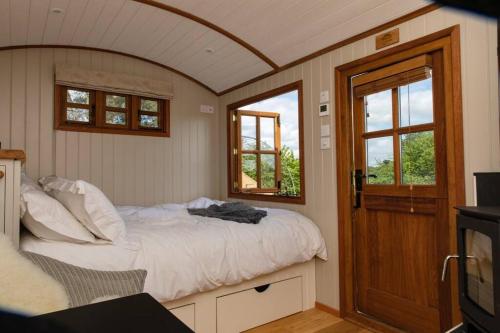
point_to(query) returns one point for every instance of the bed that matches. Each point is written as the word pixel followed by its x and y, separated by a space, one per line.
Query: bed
pixel 194 262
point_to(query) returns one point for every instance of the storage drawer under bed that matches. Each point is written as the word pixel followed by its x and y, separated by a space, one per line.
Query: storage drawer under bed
pixel 185 314
pixel 254 307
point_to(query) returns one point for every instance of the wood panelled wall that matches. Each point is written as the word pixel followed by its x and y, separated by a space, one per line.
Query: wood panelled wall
pixel 480 112
pixel 130 169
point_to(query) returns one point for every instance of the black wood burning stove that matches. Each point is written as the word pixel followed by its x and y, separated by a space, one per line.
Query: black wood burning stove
pixel 478 233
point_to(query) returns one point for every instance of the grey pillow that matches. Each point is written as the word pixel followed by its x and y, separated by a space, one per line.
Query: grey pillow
pixel 85 285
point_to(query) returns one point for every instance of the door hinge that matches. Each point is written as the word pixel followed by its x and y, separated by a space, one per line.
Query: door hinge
pixel 234 117
pixel 235 151
pixel 235 185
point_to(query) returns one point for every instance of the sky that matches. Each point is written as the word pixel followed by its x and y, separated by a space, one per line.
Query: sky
pixel 288 108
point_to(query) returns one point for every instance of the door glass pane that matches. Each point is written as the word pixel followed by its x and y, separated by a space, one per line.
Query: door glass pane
pixel 266 133
pixel 419 95
pixel 248 133
pixel 249 171
pixel 418 162
pixel 78 114
pixel 149 105
pixel 479 270
pixel 378 111
pixel 116 118
pixel 78 96
pixel 149 121
pixel 114 101
pixel 267 170
pixel 380 160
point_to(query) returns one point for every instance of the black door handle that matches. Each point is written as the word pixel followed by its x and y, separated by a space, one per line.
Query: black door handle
pixel 358 187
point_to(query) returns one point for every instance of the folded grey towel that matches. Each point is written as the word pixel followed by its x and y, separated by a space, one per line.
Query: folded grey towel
pixel 231 211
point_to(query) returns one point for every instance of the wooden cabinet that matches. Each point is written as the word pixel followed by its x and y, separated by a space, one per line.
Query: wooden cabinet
pixel 10 183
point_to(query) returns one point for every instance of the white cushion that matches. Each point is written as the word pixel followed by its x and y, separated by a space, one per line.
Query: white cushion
pixel 88 204
pixel 46 218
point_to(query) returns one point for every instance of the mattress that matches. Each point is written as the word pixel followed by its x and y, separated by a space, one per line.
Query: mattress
pixel 185 254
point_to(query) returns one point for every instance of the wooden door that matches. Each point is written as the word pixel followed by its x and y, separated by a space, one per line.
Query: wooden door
pixel 401 204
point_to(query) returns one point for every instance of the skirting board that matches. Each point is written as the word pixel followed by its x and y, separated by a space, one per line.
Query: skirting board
pixel 205 304
pixel 327 309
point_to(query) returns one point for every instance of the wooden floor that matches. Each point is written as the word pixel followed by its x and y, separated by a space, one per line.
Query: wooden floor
pixel 310 321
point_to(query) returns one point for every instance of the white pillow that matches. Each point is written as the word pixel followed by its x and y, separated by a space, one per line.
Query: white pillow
pixel 46 218
pixel 88 204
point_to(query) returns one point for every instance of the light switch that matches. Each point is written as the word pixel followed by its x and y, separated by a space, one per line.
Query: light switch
pixel 324 96
pixel 206 108
pixel 325 130
pixel 325 143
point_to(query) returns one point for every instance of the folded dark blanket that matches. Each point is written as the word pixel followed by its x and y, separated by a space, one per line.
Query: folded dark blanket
pixel 231 211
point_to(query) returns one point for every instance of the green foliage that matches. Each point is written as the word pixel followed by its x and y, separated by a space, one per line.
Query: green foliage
pixel 384 170
pixel 115 101
pixel 290 171
pixel 417 162
pixel 149 105
pixel 249 165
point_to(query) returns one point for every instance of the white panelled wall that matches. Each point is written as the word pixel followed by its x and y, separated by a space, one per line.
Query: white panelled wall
pixel 480 115
pixel 192 163
pixel 130 169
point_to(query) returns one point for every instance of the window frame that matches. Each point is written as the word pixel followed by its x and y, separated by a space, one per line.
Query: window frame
pixel 91 107
pixel 98 110
pixel 258 152
pixel 437 126
pixel 159 113
pixel 233 159
pixel 102 121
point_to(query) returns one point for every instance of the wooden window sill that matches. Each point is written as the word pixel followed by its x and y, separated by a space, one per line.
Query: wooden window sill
pixel 272 198
pixel 120 131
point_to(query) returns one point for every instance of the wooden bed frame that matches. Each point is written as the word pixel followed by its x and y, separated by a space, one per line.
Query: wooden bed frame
pixel 227 309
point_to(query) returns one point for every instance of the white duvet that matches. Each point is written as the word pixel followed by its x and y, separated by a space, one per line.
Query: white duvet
pixel 185 254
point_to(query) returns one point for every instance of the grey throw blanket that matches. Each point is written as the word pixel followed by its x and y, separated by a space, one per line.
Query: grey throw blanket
pixel 231 211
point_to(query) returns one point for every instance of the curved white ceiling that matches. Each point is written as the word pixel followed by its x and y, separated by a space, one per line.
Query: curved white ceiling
pixel 282 30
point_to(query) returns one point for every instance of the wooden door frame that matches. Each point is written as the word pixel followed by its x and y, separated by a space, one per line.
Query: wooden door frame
pixel 447 40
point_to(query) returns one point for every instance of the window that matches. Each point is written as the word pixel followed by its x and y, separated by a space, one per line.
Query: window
pixel 396 115
pixel 265 150
pixel 86 110
pixel 78 106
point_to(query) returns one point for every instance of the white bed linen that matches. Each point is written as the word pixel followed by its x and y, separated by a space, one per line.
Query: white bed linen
pixel 186 254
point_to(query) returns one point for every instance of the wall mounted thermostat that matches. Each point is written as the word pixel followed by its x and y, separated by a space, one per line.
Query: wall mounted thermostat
pixel 324 109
